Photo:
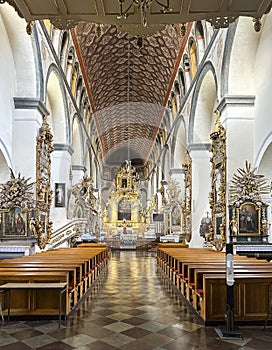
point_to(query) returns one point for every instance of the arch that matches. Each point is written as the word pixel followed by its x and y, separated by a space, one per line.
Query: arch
pixel 200 39
pixel 25 55
pixel 57 105
pixel 265 145
pixel 69 64
pixel 78 95
pixel 74 78
pixel 77 142
pixel 240 51
pixel 5 163
pixel 187 72
pixel 265 163
pixel 179 143
pixel 203 104
pixel 181 82
pixel 63 49
pixel 87 160
pixel 193 57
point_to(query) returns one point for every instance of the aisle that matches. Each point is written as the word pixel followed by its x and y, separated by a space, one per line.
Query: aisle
pixel 131 308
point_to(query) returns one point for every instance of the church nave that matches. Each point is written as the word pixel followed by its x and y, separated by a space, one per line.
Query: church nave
pixel 131 307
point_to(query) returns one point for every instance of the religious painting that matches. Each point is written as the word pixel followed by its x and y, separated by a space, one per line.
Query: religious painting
pixel 124 209
pixel 15 222
pixel 59 195
pixel 176 216
pixel 218 223
pixel 249 219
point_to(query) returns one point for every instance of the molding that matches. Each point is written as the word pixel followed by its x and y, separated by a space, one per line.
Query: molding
pixel 204 60
pixel 79 168
pixel 176 171
pixel 236 101
pixel 199 147
pixel 63 147
pixel 30 103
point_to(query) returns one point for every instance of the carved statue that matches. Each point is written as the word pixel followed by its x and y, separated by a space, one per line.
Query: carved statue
pixel 233 227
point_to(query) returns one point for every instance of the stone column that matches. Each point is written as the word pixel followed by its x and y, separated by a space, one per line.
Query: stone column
pixel 60 173
pixel 27 121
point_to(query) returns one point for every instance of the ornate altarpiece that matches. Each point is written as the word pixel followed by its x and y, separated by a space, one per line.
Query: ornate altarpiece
pixel 44 148
pixel 16 209
pixel 122 212
pixel 217 200
pixel 248 221
pixel 187 203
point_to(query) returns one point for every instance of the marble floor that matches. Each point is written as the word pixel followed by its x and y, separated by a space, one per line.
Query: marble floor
pixel 131 307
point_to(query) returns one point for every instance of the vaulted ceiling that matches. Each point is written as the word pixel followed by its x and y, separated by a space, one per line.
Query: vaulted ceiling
pixel 128 84
pixel 129 81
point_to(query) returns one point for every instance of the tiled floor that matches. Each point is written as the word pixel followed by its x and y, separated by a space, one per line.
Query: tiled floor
pixel 130 308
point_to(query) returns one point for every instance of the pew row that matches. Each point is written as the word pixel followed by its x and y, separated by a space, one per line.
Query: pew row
pixel 199 275
pixel 78 267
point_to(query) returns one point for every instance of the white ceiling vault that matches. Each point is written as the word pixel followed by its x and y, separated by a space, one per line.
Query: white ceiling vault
pixel 129 84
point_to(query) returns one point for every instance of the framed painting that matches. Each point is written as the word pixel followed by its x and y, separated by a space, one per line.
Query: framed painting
pixel 59 195
pixel 248 219
pixel 218 223
pixel 15 222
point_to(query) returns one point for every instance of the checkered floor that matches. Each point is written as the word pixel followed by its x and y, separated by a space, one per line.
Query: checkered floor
pixel 131 307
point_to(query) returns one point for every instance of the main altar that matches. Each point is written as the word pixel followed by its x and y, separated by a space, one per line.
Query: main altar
pixel 122 214
pixel 124 220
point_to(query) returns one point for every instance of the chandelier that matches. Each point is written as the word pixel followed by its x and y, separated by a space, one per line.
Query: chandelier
pixel 143 6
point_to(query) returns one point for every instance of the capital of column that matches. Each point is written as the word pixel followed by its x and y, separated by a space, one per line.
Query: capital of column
pixel 31 103
pixel 63 147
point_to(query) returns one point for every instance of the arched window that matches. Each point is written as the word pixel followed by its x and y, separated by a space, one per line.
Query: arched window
pixel 78 91
pixel 200 40
pixel 69 65
pixel 182 83
pixel 187 72
pixel 177 93
pixel 74 80
pixel 63 49
pixel 193 58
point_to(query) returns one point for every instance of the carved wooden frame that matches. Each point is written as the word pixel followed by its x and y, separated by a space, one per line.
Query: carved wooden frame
pixel 218 184
pixel 44 148
pixel 187 203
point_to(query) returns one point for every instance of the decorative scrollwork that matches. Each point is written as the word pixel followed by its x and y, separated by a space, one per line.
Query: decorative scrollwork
pixel 246 185
pixel 187 203
pixel 217 198
pixel 44 148
pixel 16 192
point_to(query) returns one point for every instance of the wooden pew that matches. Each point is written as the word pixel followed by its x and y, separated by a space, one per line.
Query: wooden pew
pixel 180 266
pixel 78 267
pixel 40 302
pixel 251 295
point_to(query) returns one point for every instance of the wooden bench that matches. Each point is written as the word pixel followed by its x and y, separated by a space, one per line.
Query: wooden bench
pixel 186 269
pixel 252 294
pixel 77 267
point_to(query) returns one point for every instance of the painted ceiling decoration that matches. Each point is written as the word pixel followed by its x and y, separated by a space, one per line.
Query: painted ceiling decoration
pixel 129 52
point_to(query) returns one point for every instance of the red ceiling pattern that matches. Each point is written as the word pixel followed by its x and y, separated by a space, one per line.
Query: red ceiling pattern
pixel 128 85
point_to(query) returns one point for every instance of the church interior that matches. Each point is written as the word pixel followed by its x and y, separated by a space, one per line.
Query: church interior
pixel 134 211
